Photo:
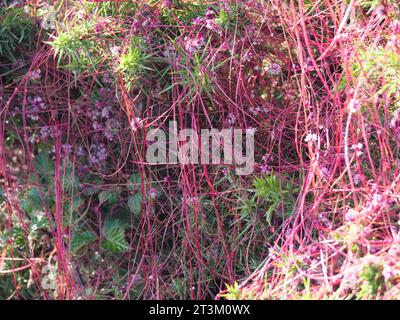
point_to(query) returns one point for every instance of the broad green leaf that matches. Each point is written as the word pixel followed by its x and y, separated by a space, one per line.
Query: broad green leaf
pixel 71 181
pixel 31 200
pixel 134 182
pixel 134 202
pixel 81 239
pixel 108 196
pixel 43 165
pixel 114 236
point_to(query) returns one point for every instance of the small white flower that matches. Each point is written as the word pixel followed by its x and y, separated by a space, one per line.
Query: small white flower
pixel 311 137
pixel 377 200
pixel 358 149
pixel 353 105
pixel 136 124
pixel 115 50
pixel 273 134
pixel 357 179
pixel 35 74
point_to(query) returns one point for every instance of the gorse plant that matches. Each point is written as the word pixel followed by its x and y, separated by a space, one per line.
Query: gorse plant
pixel 274 192
pixel 134 62
pixel 79 50
pixel 380 66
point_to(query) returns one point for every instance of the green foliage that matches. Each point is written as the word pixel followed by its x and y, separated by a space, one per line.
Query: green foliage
pixel 275 192
pixel 110 8
pixel 134 203
pixel 71 182
pixel 134 182
pixel 2 196
pixel 185 11
pixel 371 5
pixel 132 64
pixel 44 167
pixel 82 53
pixel 38 222
pixel 81 239
pixel 372 281
pixel 16 29
pixel 18 237
pixel 268 187
pixel 31 200
pixel 381 67
pixel 114 236
pixel 135 198
pixel 68 43
pixel 223 18
pixel 110 196
pixel 233 292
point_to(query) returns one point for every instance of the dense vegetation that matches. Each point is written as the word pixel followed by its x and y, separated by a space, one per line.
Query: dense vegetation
pixel 83 215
